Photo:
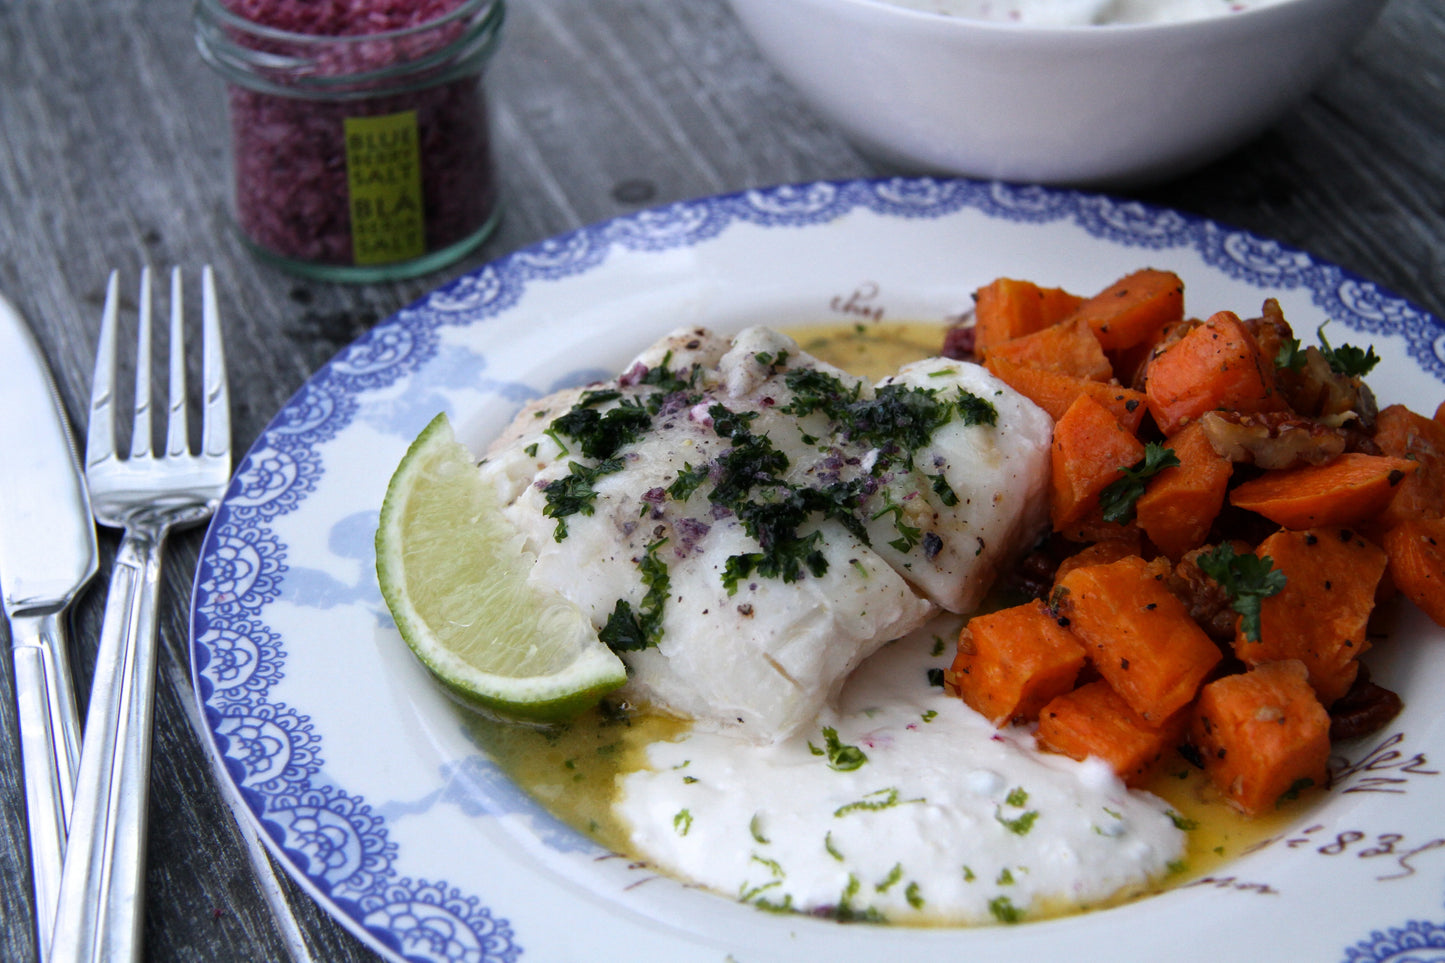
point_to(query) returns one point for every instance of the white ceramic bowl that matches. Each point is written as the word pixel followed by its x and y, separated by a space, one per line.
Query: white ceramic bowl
pixel 1099 106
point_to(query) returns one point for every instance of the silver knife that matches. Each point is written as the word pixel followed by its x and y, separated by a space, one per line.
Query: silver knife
pixel 47 555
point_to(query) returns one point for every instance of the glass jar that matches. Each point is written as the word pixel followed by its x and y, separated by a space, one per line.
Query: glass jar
pixel 360 156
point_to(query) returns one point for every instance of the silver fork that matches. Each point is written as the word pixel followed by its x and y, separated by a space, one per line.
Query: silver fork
pixel 102 886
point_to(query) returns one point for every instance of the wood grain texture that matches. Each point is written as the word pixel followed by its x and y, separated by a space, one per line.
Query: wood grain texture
pixel 113 154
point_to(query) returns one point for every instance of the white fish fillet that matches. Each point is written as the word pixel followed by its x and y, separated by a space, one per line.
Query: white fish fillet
pixel 763 653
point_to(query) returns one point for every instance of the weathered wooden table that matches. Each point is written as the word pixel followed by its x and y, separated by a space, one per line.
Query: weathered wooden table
pixel 112 154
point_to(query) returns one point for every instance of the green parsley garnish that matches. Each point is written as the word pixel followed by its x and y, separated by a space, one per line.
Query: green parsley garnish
pixel 687 481
pixel 1347 359
pixel 1246 579
pixel 627 631
pixel 603 434
pixel 1118 498
pixel 574 493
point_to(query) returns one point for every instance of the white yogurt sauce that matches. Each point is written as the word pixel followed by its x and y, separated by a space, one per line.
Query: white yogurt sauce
pixel 947 820
pixel 1075 13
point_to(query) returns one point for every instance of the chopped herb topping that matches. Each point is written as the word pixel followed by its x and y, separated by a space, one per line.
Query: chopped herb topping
pixel 894 875
pixel 1004 910
pixel 1347 359
pixel 663 377
pixel 1182 823
pixel 1247 579
pixel 755 828
pixel 682 822
pixel 1296 787
pixel 628 631
pixel 574 493
pixel 874 801
pixel 841 757
pixel 914 895
pixel 687 481
pixel 908 535
pixel 1118 498
pixel 942 489
pixel 1018 796
pixel 831 849
pixel 602 434
pixel 1020 825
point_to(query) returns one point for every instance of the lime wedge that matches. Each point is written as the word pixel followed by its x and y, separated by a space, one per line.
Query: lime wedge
pixel 453 571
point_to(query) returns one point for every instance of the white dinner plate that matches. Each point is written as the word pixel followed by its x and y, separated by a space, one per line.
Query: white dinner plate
pixel 361 772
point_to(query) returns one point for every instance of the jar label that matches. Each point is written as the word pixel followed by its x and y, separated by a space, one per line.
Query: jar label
pixel 383 177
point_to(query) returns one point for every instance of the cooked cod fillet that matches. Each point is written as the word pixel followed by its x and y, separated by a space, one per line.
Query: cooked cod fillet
pixel 745 523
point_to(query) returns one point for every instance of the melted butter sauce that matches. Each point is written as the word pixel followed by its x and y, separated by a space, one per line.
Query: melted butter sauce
pixel 576 770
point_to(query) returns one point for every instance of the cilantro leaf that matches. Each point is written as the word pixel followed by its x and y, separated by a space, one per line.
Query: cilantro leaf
pixel 1247 579
pixel 1118 498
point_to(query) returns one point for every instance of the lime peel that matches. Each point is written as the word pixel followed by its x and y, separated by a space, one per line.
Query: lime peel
pixel 453 570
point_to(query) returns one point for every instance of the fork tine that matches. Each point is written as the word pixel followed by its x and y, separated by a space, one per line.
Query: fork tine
pixel 216 417
pixel 100 435
pixel 178 440
pixel 140 439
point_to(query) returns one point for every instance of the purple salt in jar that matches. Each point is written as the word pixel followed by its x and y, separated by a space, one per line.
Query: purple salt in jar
pixel 359 131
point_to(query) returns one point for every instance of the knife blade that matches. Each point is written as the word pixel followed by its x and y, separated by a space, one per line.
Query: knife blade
pixel 47 555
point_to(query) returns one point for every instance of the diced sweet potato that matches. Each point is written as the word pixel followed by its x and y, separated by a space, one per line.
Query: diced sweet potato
pixel 1054 392
pixel 1089 448
pixel 1012 661
pixel 1094 720
pixel 1416 552
pixel 1138 633
pixel 1215 365
pixel 1068 348
pixel 1006 309
pixel 1133 309
pixel 1352 489
pixel 1319 617
pixel 1405 434
pixel 1180 504
pixel 1262 734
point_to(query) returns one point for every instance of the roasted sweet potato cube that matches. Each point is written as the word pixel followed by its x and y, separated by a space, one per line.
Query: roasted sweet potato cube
pixel 1416 552
pixel 1068 348
pixel 1138 633
pixel 1262 734
pixel 1054 392
pixel 1403 433
pixel 1089 447
pixel 1134 308
pixel 1216 365
pixel 1006 308
pixel 1012 661
pixel 1179 505
pixel 1094 720
pixel 1319 617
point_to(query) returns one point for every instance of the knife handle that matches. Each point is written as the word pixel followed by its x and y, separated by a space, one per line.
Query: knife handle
pixel 49 752
pixel 102 887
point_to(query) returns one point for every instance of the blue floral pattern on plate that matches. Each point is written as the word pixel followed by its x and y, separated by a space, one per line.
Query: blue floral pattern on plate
pixel 340 845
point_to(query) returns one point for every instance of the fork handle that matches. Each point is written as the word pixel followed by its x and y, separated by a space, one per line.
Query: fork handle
pixel 49 751
pixel 102 886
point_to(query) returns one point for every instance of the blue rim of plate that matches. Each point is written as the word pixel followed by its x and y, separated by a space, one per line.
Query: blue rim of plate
pixel 268 749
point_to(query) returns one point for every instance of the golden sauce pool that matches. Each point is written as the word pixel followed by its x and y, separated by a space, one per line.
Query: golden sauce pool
pixel 573 770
